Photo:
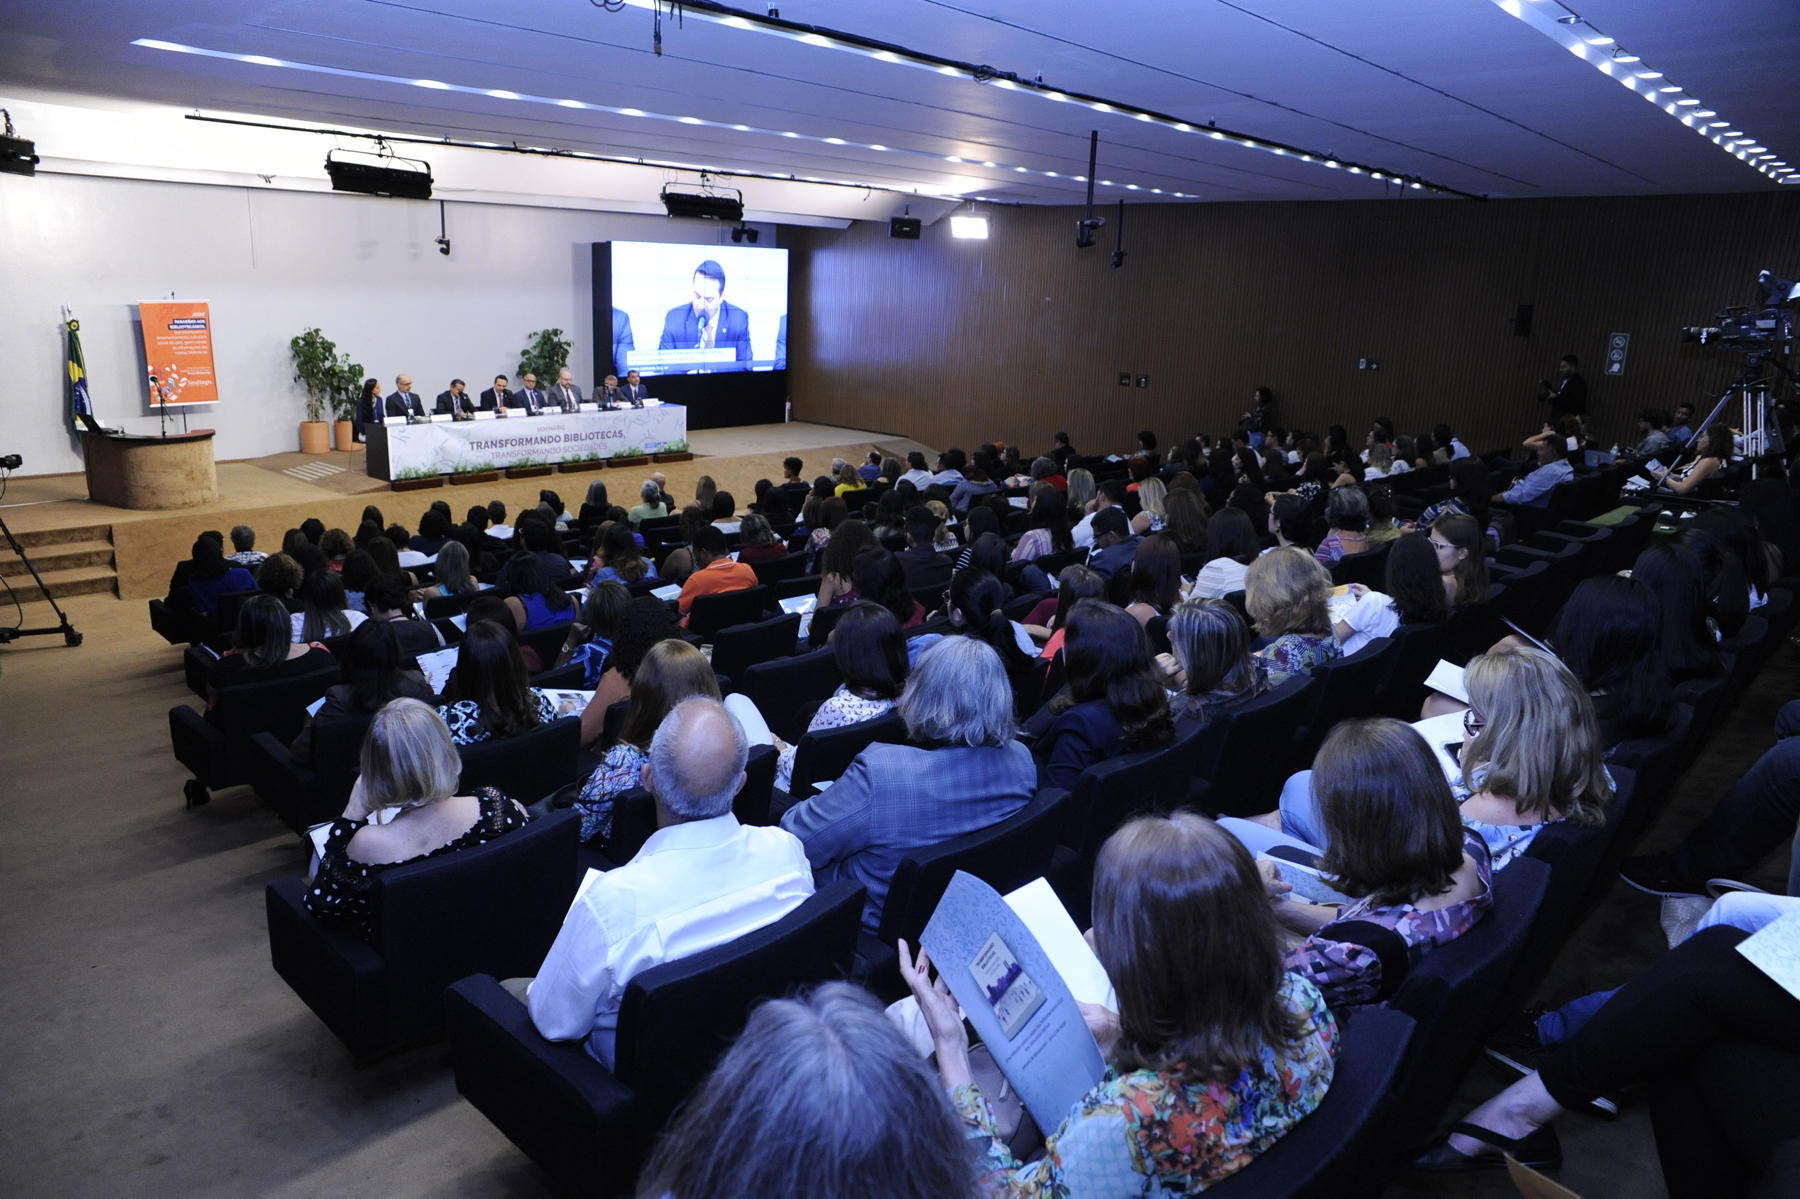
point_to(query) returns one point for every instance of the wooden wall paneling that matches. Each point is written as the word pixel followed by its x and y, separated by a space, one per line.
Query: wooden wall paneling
pixel 957 342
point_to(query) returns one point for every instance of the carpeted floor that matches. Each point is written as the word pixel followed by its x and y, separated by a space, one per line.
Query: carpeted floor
pixel 151 1050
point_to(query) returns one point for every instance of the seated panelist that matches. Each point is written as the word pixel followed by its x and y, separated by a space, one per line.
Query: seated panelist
pixel 529 399
pixel 404 402
pixel 456 402
pixel 610 396
pixel 497 397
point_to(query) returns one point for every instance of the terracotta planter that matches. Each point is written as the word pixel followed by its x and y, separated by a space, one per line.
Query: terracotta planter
pixel 527 472
pixel 576 468
pixel 315 437
pixel 486 476
pixel 419 484
pixel 345 433
pixel 637 460
pixel 684 456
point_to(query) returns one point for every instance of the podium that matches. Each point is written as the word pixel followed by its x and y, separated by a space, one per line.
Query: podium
pixel 126 471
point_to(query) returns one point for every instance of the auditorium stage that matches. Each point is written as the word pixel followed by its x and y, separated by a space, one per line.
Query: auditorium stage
pixel 81 546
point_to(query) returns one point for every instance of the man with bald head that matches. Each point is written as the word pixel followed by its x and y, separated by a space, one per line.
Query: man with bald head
pixel 702 879
pixel 405 401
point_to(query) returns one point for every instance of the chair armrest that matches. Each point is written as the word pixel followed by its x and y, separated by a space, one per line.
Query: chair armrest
pixel 196 744
pixel 281 784
pixel 552 1099
pixel 330 967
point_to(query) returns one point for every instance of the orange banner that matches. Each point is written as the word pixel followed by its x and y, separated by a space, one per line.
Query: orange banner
pixel 178 350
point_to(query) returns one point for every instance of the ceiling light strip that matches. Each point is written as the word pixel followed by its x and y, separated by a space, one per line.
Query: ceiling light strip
pixel 261 60
pixel 1574 34
pixel 887 52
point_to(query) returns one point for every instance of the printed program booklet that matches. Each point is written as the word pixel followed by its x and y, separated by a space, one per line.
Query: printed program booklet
pixel 1020 1005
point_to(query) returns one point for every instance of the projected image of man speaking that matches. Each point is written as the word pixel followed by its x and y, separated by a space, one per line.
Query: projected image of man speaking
pixel 709 321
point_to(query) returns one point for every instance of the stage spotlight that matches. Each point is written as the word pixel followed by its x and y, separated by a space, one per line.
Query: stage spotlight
pixel 744 233
pixel 380 178
pixel 726 204
pixel 967 226
pixel 18 156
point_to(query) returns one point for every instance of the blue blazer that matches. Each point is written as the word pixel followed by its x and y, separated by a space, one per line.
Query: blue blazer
pixel 896 798
pixel 681 329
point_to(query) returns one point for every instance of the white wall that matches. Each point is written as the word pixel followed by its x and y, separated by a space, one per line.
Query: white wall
pixel 363 269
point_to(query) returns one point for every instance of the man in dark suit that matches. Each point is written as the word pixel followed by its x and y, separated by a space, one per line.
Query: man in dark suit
pixel 566 393
pixel 708 321
pixel 633 392
pixel 610 396
pixel 456 402
pixel 528 397
pixel 496 397
pixel 1567 393
pixel 404 402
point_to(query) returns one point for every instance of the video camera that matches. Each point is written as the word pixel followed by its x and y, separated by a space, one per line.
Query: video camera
pixel 11 462
pixel 1770 327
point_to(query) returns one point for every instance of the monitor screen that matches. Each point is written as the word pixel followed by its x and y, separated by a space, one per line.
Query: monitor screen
pixel 696 309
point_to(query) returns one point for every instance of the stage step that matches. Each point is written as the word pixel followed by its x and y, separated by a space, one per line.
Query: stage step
pixel 73 561
pixel 81 580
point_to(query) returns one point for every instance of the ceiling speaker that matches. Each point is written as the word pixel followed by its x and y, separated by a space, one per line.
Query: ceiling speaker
pixel 905 227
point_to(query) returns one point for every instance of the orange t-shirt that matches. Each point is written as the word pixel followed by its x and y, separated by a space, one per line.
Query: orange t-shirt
pixel 719 576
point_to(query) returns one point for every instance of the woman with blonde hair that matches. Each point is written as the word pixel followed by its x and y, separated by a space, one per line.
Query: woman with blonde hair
pixel 404 807
pixel 1216 1051
pixel 1154 513
pixel 1531 756
pixel 1082 490
pixel 705 491
pixel 671 672
pixel 1285 592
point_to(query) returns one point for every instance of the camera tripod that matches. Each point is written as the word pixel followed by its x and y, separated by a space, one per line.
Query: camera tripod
pixel 67 630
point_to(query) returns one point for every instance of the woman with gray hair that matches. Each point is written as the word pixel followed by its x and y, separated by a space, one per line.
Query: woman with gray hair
pixel 962 770
pixel 652 507
pixel 404 807
pixel 1347 515
pixel 823 1096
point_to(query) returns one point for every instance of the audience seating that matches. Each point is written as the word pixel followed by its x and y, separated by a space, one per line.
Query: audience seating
pixel 1417 648
pixel 589 1127
pixel 826 754
pixel 440 606
pixel 634 811
pixel 776 570
pixel 305 795
pixel 547 642
pixel 788 690
pixel 1005 857
pixel 738 648
pixel 1368 568
pixel 1452 993
pixel 1254 754
pixel 493 908
pixel 1334 1153
pixel 569 677
pixel 527 767
pixel 178 626
pixel 218 754
pixel 710 613
pixel 1343 687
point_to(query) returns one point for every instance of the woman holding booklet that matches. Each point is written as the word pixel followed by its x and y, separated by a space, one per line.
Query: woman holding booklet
pixel 1216 1051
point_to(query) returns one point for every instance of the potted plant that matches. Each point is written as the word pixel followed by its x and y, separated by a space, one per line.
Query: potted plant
pixel 581 463
pixel 629 455
pixel 344 428
pixel 474 472
pixel 321 370
pixel 528 468
pixel 416 478
pixel 674 451
pixel 545 356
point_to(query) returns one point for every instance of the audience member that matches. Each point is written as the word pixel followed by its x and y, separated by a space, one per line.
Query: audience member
pixel 489 695
pixel 1210 664
pixel 279 576
pixel 404 807
pixel 962 771
pixel 649 506
pixel 1347 524
pixel 1608 634
pixel 531 594
pixel 213 574
pixel 261 650
pixel 1049 619
pixel 837 563
pixel 1285 593
pixel 1416 594
pixel 715 572
pixel 1232 544
pixel 325 608
pixel 590 639
pixel 1047 530
pixel 671 671
pixel 760 542
pixel 617 557
pixel 387 602
pixel 1690 645
pixel 702 879
pixel 374 672
pixel 870 654
pixel 923 564
pixel 243 547
pixel 1215 1052
pixel 1155 579
pixel 1114 544
pixel 1114 703
pixel 1458 541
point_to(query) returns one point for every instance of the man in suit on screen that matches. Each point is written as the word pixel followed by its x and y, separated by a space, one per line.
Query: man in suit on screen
pixel 404 402
pixel 496 397
pixel 709 321
pixel 622 340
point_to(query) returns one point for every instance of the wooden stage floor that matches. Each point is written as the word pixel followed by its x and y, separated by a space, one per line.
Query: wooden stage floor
pixel 47 510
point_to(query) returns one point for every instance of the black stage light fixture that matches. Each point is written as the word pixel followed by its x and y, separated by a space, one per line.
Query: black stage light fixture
pixel 709 205
pixel 410 182
pixel 906 228
pixel 744 233
pixel 18 156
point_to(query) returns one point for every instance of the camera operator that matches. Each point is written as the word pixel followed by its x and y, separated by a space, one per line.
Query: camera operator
pixel 1567 394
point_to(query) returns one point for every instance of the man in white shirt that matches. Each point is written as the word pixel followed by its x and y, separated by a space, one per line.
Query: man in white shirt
pixel 497 526
pixel 1111 494
pixel 916 474
pixel 701 880
pixel 950 464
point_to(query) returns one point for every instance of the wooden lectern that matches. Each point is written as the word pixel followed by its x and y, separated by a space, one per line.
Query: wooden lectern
pixel 176 471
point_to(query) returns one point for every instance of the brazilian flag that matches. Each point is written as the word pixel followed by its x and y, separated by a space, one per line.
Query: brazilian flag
pixel 77 386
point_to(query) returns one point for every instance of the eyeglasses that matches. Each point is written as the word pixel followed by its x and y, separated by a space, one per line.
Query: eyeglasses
pixel 1472 723
pixel 1441 545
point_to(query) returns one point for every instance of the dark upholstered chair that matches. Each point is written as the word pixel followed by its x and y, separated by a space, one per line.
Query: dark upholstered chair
pixel 494 908
pixel 738 648
pixel 1335 1152
pixel 787 690
pixel 826 754
pixel 527 767
pixel 1256 752
pixel 1005 857
pixel 303 795
pixel 218 753
pixel 547 641
pixel 710 613
pixel 1452 993
pixel 177 626
pixel 634 811
pixel 590 1128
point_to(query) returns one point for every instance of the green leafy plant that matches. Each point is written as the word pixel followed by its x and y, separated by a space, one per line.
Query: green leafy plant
pixel 545 356
pixel 516 462
pixel 414 472
pixel 678 446
pixel 629 451
pixel 474 468
pixel 330 378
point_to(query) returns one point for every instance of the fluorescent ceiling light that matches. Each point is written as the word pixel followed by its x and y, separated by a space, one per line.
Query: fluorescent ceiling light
pixel 969 228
